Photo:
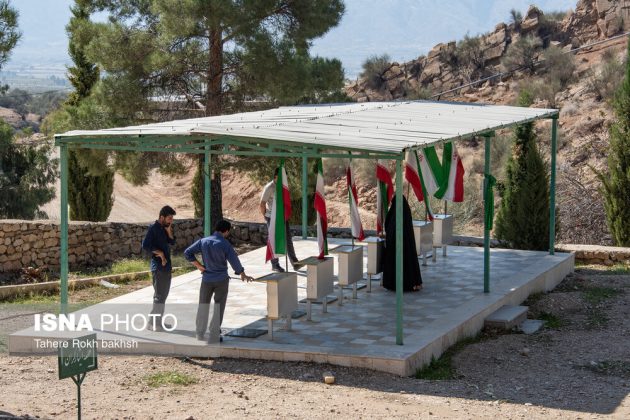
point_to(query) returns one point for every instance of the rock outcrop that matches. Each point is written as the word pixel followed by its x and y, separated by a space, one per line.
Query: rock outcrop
pixel 439 70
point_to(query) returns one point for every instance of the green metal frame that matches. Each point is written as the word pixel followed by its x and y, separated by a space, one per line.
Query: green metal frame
pixel 486 228
pixel 399 254
pixel 244 146
pixel 552 185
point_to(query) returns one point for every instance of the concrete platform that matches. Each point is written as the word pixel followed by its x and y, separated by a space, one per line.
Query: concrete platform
pixel 361 333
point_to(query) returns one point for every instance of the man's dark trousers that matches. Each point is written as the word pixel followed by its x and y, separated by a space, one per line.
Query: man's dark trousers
pixel 220 291
pixel 290 248
pixel 161 287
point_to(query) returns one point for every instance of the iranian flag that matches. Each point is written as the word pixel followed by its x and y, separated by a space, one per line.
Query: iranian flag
pixel 320 208
pixel 355 219
pixel 414 175
pixel 385 192
pixel 452 188
pixel 430 169
pixel 280 214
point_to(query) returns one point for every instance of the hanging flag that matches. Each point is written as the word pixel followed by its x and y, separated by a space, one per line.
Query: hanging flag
pixel 384 194
pixel 320 208
pixel 353 198
pixel 452 187
pixel 280 214
pixel 414 176
pixel 430 169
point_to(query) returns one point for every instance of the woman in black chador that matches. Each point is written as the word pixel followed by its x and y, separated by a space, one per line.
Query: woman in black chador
pixel 412 281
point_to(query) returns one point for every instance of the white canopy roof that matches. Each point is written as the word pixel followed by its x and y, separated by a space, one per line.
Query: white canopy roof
pixel 389 127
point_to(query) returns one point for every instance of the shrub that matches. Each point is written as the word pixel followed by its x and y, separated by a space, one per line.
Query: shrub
pixel 374 68
pixel 521 55
pixel 516 18
pixel 420 92
pixel 605 80
pixel 470 57
pixel 616 182
pixel 558 66
pixel 545 90
pixel 569 109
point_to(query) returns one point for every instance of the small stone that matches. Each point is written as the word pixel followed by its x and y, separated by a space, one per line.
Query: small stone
pixel 525 351
pixel 329 378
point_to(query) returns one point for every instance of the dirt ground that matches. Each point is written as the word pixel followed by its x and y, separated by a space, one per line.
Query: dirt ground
pixel 576 367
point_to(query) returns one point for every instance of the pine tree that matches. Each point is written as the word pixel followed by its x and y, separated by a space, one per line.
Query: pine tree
pixel 523 217
pixel 616 183
pixel 90 191
pixel 26 171
pixel 216 54
pixel 26 177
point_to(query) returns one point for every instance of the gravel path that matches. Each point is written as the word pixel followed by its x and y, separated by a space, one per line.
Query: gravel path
pixel 581 369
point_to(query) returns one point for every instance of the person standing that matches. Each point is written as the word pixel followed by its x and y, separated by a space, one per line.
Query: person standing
pixel 157 241
pixel 266 203
pixel 215 252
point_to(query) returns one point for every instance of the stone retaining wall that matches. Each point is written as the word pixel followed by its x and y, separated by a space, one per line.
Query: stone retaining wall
pixel 35 243
pixel 595 254
pixel 25 243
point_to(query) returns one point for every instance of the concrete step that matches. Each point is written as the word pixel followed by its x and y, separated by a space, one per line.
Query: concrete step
pixel 507 317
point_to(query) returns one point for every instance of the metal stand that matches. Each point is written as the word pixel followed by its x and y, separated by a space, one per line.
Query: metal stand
pixel 270 328
pixel 78 380
pixel 354 290
pixel 340 300
pixel 308 310
pixel 369 283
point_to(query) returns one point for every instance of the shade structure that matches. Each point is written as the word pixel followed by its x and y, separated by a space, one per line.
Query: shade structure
pixel 374 130
pixel 384 127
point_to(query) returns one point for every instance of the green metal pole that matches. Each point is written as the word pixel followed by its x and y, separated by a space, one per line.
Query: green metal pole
pixel 399 254
pixel 304 197
pixel 552 185
pixel 207 194
pixel 63 228
pixel 486 228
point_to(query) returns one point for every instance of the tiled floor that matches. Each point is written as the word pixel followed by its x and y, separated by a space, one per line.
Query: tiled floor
pixel 361 332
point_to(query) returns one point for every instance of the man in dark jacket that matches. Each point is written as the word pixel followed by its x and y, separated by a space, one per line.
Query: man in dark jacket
pixel 157 242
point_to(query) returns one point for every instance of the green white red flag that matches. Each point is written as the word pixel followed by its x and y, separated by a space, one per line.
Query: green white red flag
pixel 384 194
pixel 430 169
pixel 353 198
pixel 415 177
pixel 280 214
pixel 320 209
pixel 452 186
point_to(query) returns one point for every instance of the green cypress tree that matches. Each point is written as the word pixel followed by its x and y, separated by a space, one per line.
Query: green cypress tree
pixel 90 191
pixel 523 217
pixel 616 183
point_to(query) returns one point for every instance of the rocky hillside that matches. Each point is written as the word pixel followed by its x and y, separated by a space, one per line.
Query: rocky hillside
pixel 440 71
pixel 583 100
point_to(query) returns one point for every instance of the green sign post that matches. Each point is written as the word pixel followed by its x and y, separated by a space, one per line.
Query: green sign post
pixel 77 357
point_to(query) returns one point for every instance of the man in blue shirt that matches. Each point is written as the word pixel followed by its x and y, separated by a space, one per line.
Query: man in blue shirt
pixel 157 242
pixel 215 252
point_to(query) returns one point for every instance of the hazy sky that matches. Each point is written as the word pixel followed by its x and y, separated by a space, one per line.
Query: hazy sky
pixel 404 29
